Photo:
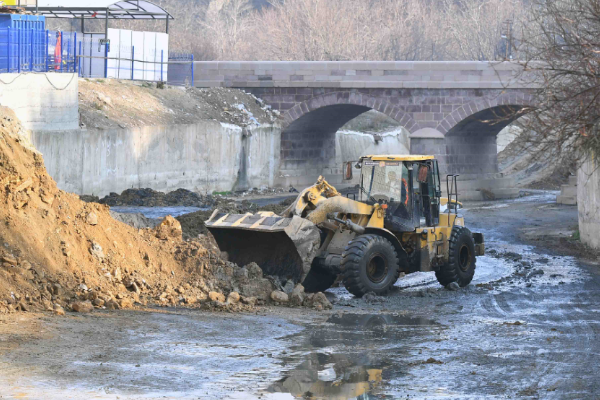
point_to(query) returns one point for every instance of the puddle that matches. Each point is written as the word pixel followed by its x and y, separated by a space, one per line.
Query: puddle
pixel 350 356
pixel 369 321
pixel 133 355
pixel 156 212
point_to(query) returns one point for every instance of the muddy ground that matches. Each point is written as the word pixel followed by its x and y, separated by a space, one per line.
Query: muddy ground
pixel 526 328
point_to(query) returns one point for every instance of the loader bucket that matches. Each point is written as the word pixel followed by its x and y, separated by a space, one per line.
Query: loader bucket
pixel 283 247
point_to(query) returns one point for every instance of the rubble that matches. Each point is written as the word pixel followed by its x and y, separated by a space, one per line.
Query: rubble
pixel 80 258
pixel 114 104
pixel 82 307
pixel 279 296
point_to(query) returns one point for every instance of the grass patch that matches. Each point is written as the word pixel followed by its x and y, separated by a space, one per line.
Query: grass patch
pixel 222 193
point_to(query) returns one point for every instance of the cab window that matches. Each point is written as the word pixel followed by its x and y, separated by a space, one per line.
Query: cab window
pixel 384 181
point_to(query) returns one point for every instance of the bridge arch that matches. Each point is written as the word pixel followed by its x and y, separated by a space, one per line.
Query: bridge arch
pixel 486 109
pixel 308 145
pixel 470 133
pixel 382 105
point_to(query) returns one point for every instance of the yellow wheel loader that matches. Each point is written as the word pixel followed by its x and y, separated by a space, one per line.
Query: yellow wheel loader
pixel 398 222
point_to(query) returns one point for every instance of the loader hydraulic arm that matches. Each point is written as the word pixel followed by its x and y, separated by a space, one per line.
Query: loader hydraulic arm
pixel 311 196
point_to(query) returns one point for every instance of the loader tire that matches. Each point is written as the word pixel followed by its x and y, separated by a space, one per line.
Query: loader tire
pixel 318 281
pixel 461 259
pixel 370 264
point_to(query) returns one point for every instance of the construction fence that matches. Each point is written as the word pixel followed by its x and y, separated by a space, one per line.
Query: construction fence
pixel 130 55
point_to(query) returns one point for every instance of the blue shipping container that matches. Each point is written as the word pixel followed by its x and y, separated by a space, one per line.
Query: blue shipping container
pixel 23 21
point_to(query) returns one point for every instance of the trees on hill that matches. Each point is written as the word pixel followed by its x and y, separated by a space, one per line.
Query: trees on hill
pixel 335 29
pixel 561 50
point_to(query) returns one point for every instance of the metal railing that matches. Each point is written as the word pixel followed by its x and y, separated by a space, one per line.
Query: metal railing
pixel 34 50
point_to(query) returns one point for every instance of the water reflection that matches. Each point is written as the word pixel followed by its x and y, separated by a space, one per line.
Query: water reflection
pixel 350 356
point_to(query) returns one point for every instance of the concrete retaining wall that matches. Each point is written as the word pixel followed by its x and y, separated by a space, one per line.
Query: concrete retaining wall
pixel 203 157
pixel 588 202
pixel 42 101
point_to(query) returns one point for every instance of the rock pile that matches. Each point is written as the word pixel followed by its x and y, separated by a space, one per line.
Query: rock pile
pixel 58 253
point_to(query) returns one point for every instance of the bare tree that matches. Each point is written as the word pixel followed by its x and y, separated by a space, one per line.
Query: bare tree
pixel 227 25
pixel 324 30
pixel 563 57
pixel 476 27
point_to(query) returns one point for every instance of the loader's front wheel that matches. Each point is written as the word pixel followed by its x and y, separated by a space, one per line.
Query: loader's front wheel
pixel 369 264
pixel 318 280
pixel 461 259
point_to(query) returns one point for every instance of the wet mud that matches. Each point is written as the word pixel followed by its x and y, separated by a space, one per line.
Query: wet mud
pixel 526 328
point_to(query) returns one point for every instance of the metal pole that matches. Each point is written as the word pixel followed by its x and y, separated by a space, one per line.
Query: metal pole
pixel 9 48
pixel 192 70
pixel 75 50
pixel 167 25
pixel 36 6
pixel 47 40
pixel 106 44
pixel 19 50
pixel 106 60
pixel 132 60
pixel 79 61
pixel 31 50
pixel 162 58
pixel 91 41
pixel 61 50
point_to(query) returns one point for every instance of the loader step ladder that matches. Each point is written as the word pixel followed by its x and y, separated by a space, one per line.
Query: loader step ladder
pixel 452 190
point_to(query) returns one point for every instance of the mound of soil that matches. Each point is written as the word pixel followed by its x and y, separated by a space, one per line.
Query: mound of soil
pixel 153 198
pixel 58 252
pixel 110 104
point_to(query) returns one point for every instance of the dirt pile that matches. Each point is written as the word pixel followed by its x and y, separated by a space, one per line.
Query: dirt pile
pixel 152 198
pixel 59 253
pixel 110 103
pixel 178 198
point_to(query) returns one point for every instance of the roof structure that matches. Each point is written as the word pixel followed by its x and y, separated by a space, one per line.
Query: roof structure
pixel 399 157
pixel 101 9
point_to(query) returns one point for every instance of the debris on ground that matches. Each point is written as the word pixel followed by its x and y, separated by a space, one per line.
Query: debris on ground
pixel 152 198
pixel 114 104
pixel 79 258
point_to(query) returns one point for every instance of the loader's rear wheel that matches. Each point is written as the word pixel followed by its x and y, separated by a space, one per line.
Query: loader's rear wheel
pixel 369 264
pixel 318 280
pixel 461 259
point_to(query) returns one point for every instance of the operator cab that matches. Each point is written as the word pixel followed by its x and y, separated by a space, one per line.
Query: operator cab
pixel 408 186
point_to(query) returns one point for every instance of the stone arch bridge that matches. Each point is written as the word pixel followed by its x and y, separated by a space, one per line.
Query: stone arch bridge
pixel 453 110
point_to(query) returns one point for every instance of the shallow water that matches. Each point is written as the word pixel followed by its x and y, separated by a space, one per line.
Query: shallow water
pixel 156 212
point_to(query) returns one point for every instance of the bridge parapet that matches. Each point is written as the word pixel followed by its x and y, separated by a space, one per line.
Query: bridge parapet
pixel 360 74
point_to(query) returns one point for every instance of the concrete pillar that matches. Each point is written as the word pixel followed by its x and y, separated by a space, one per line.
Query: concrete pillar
pixel 588 201
pixel 429 141
pixel 472 154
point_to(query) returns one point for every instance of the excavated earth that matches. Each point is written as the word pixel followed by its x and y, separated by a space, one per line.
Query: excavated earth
pixel 59 253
